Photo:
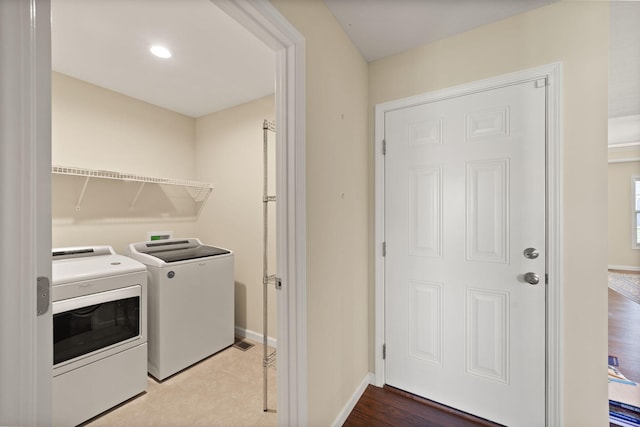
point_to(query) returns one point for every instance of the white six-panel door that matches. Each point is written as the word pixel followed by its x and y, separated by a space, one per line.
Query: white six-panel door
pixel 464 197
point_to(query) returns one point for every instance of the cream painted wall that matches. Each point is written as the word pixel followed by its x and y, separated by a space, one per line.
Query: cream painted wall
pixel 229 155
pixel 621 209
pixel 100 129
pixel 95 128
pixel 577 34
pixel 337 210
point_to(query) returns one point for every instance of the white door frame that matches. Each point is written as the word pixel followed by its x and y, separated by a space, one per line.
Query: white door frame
pixel 553 75
pixel 263 20
pixel 25 223
pixel 266 23
pixel 26 356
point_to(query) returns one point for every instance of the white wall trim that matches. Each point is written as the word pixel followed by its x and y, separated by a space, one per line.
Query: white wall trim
pixel 264 21
pixel 17 392
pixel 555 247
pixel 624 132
pixel 255 336
pixel 624 267
pixel 346 410
pixel 379 174
pixel 625 160
pixel 553 74
pixel 623 146
pixel 633 226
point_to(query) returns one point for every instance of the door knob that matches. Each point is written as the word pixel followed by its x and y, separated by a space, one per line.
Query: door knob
pixel 532 278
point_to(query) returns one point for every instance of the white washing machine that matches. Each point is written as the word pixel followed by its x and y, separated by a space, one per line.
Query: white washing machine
pixel 191 302
pixel 99 332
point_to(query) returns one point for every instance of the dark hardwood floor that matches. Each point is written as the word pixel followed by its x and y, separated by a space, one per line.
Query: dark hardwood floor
pixel 385 407
pixel 624 334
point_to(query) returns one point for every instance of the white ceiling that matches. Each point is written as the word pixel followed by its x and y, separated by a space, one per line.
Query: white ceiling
pixel 217 64
pixel 380 28
pixel 624 60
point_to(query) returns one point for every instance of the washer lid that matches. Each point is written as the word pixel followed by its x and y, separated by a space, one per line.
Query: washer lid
pixel 162 252
pixel 175 255
pixel 87 267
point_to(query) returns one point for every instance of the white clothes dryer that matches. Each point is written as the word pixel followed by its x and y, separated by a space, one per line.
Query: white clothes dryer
pixel 99 331
pixel 191 302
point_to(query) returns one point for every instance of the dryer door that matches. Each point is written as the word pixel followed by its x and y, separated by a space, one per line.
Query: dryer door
pixel 92 323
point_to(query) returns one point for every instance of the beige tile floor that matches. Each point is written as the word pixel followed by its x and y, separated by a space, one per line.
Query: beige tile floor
pixel 224 390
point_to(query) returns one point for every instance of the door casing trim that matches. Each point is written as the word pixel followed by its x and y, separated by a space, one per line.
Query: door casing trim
pixel 25 220
pixel 554 314
pixel 264 21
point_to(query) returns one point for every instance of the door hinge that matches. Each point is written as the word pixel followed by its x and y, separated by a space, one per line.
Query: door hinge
pixel 384 249
pixel 541 83
pixel 42 295
pixel 384 147
pixel 384 352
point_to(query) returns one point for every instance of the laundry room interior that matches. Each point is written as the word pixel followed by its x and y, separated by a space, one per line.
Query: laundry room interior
pixel 127 169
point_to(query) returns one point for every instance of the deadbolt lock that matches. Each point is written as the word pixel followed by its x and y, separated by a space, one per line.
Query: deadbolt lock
pixel 531 253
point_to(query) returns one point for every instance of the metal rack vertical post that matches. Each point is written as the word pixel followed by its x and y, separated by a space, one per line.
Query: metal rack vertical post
pixel 268 359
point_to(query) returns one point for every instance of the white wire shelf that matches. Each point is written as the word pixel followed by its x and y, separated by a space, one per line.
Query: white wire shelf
pixel 95 173
pixel 149 196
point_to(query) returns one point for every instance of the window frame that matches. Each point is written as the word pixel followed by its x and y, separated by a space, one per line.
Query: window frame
pixel 635 224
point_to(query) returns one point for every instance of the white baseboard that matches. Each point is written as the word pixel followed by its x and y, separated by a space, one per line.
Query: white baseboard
pixel 624 267
pixel 344 414
pixel 255 336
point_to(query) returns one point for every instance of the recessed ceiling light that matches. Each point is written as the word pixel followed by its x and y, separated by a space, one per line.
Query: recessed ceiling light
pixel 160 51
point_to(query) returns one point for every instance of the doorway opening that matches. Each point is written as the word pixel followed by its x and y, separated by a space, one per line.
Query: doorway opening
pixel 287 47
pixel 623 211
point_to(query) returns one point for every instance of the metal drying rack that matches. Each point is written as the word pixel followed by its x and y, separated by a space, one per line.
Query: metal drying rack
pixel 268 359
